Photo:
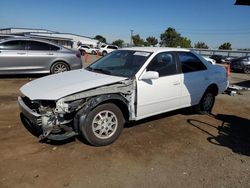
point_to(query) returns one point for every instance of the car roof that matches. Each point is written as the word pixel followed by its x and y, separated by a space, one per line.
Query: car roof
pixel 156 49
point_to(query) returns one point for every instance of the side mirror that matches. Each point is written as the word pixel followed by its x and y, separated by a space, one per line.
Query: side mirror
pixel 149 75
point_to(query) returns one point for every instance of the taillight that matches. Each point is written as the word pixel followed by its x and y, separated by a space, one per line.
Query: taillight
pixel 78 55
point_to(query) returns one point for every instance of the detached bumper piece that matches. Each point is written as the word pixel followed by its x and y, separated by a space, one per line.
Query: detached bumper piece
pixel 32 121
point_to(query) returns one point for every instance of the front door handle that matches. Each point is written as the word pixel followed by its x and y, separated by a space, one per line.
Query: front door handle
pixel 21 53
pixel 50 54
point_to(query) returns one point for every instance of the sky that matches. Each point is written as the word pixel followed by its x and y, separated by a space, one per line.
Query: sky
pixel 211 21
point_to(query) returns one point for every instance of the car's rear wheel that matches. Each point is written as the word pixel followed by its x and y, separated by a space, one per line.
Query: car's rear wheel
pixel 93 52
pixel 83 52
pixel 103 125
pixel 247 69
pixel 206 103
pixel 59 67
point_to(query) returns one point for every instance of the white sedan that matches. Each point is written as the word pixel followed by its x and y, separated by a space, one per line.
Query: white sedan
pixel 87 49
pixel 210 60
pixel 126 85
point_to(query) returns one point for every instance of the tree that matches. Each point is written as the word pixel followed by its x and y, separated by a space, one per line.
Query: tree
pixel 151 41
pixel 118 43
pixel 137 40
pixel 172 38
pixel 226 46
pixel 201 45
pixel 100 38
pixel 185 42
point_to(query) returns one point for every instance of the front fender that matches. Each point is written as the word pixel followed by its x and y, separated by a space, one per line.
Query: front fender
pixel 92 103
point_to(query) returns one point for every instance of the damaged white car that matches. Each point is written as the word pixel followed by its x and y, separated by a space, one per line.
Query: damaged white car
pixel 126 85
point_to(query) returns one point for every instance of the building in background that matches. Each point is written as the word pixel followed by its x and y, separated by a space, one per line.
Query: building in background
pixel 65 39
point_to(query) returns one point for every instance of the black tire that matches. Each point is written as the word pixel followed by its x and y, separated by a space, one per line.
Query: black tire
pixel 104 53
pixel 59 67
pixel 247 69
pixel 206 103
pixel 93 52
pixel 102 135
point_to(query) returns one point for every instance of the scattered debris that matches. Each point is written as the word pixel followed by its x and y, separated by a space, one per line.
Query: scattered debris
pixel 234 90
pixel 54 148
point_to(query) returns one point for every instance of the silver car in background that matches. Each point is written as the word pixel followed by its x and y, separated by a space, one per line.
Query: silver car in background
pixel 28 56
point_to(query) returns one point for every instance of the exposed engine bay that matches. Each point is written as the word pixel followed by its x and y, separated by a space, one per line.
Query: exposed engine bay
pixel 56 120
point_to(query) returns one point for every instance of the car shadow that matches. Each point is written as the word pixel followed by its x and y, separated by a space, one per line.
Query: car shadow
pixel 233 133
pixel 243 84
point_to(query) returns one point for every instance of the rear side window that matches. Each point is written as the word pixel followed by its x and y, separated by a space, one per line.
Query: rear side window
pixel 112 47
pixel 190 63
pixel 54 48
pixel 13 45
pixel 163 63
pixel 35 45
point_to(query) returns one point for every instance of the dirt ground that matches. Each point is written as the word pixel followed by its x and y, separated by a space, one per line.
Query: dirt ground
pixel 177 149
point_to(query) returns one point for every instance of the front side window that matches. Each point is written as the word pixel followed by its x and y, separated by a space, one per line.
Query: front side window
pixel 163 63
pixel 190 63
pixel 13 45
pixel 124 63
pixel 85 47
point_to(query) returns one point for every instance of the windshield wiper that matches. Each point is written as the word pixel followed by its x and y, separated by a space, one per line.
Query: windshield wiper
pixel 98 70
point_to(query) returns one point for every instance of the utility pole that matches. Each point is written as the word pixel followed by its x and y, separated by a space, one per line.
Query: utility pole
pixel 131 38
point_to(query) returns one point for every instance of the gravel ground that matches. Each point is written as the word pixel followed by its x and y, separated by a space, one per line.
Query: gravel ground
pixel 176 149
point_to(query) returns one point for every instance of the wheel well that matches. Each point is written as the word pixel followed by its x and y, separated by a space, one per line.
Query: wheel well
pixel 59 61
pixel 123 107
pixel 213 88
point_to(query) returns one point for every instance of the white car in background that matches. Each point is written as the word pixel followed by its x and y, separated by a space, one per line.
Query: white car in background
pixel 210 60
pixel 87 49
pixel 105 49
pixel 126 85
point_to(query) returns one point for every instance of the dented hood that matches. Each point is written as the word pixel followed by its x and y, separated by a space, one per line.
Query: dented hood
pixel 56 86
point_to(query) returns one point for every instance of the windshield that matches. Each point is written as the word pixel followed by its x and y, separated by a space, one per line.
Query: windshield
pixel 124 63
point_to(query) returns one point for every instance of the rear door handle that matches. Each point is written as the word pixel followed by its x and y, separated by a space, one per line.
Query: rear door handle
pixel 176 83
pixel 21 53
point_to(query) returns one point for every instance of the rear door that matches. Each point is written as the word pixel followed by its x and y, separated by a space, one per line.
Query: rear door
pixel 194 77
pixel 13 56
pixel 41 55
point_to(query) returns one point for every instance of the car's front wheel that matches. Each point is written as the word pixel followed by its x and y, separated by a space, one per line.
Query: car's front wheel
pixel 206 103
pixel 59 67
pixel 104 53
pixel 103 125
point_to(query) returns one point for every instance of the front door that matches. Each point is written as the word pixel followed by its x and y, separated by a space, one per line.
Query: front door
pixel 163 94
pixel 13 56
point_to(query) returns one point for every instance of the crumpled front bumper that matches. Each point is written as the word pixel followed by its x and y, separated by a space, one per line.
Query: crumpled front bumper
pixel 32 116
pixel 30 119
